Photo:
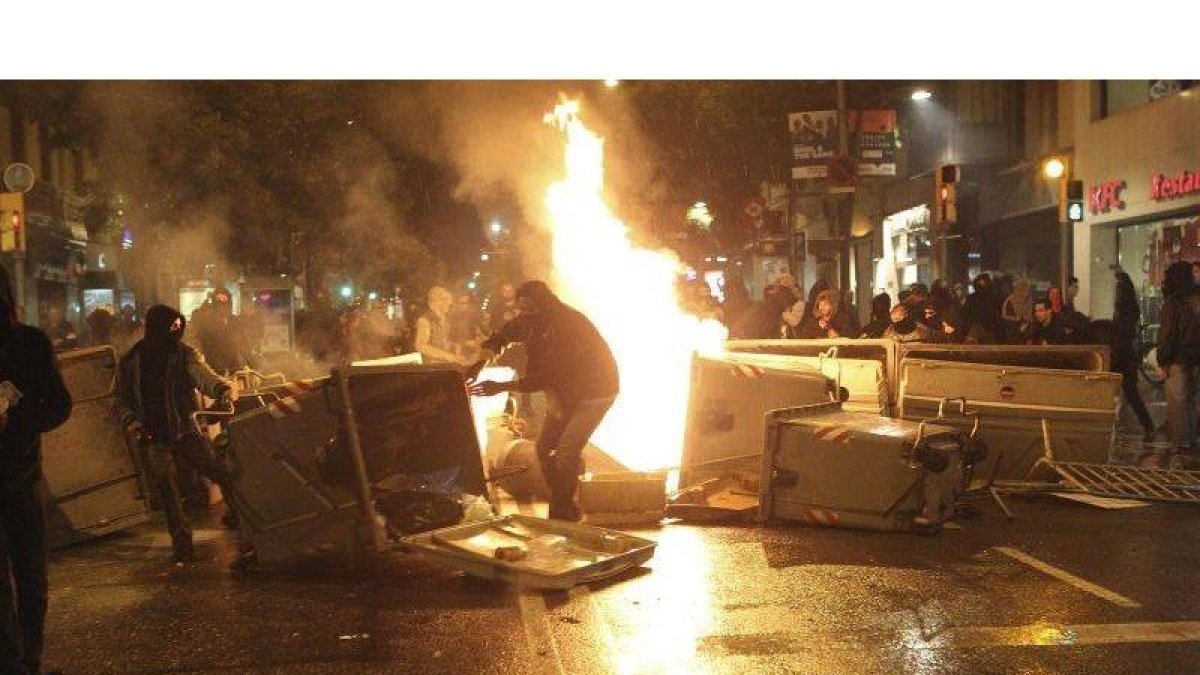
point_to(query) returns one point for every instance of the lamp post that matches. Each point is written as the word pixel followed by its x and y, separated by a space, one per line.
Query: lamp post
pixel 1059 169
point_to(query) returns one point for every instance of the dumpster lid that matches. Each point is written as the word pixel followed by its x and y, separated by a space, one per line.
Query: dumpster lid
pixel 866 423
pixel 549 554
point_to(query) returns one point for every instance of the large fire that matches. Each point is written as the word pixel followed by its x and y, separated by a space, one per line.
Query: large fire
pixel 629 293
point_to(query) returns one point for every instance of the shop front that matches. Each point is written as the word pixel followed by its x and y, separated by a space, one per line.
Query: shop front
pixel 907 251
pixel 1144 245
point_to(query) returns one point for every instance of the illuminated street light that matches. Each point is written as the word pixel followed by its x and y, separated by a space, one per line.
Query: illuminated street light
pixel 347 291
pixel 1054 168
pixel 484 257
pixel 372 295
pixel 497 227
pixel 922 95
pixel 471 285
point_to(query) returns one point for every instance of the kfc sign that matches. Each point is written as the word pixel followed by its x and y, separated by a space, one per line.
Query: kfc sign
pixel 1164 187
pixel 1106 196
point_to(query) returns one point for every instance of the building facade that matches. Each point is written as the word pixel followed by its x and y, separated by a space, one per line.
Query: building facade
pixel 1137 151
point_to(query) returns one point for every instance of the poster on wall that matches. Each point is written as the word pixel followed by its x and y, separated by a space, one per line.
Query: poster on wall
pixel 875 141
pixel 814 142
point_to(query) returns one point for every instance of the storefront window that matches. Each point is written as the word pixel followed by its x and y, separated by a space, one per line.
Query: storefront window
pixel 907 251
pixel 1146 250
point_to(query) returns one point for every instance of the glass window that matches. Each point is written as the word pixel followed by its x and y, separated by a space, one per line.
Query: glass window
pixel 1147 249
pixel 1121 95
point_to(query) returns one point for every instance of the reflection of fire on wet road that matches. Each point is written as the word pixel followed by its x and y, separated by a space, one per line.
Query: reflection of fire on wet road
pixel 629 292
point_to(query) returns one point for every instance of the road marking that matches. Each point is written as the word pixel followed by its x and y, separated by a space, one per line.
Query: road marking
pixel 1047 635
pixel 537 632
pixel 1066 577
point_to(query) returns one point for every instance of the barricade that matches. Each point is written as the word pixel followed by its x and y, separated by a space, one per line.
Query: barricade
pixel 90 472
pixel 1011 401
pixel 727 403
pixel 327 467
pixel 825 466
pixel 864 380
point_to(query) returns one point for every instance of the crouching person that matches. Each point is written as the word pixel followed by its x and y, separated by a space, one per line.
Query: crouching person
pixel 157 382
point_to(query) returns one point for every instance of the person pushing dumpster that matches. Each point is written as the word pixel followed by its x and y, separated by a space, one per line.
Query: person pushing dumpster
pixel 571 362
pixel 155 395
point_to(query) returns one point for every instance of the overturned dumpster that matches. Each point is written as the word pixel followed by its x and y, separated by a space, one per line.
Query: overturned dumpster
pixel 826 466
pixel 90 473
pixel 385 457
pixel 1013 389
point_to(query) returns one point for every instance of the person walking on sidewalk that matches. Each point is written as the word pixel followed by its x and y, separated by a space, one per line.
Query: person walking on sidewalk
pixel 33 400
pixel 1127 316
pixel 155 397
pixel 571 362
pixel 1179 353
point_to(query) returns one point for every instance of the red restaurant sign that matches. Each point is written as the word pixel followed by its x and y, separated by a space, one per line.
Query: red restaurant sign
pixel 1169 187
pixel 1106 196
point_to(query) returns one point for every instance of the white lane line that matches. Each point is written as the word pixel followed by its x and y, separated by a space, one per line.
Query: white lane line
pixel 1066 577
pixel 533 612
pixel 537 632
pixel 1055 635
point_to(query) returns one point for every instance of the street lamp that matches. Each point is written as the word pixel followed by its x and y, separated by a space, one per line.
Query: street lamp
pixel 1054 168
pixel 497 228
pixel 1057 168
pixel 921 95
pixel 347 291
pixel 484 257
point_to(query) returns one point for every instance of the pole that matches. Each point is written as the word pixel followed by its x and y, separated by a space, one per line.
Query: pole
pixel 845 204
pixel 19 271
pixel 1064 228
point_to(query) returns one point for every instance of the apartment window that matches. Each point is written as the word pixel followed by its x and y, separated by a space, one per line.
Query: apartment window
pixel 1117 96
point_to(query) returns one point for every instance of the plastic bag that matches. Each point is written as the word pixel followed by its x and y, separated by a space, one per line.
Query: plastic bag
pixel 475 509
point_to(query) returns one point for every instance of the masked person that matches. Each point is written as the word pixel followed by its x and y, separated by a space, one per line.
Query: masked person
pixel 571 362
pixel 155 397
pixel 1179 353
pixel 905 328
pixel 33 400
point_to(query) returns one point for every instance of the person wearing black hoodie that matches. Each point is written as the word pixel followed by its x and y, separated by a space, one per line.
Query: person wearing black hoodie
pixel 571 362
pixel 1126 319
pixel 33 400
pixel 1179 352
pixel 155 396
pixel 881 308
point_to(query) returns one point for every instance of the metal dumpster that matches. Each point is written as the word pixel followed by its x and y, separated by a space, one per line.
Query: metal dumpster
pixel 726 406
pixel 1091 358
pixel 1011 401
pixel 91 475
pixel 317 469
pixel 825 466
pixel 842 357
pixel 864 380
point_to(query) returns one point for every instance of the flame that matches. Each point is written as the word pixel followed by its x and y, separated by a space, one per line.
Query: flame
pixel 629 293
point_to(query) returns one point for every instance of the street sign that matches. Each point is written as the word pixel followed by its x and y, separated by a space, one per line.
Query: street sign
pixel 18 177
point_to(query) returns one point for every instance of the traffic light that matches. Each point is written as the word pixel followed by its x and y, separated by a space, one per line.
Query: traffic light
pixel 12 222
pixel 945 197
pixel 1074 201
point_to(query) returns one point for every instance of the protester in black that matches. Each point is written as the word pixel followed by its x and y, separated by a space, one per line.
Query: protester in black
pixel 1126 319
pixel 155 396
pixel 35 400
pixel 571 362
pixel 1179 352
pixel 881 307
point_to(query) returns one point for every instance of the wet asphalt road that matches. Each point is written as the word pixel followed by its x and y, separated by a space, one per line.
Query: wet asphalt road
pixel 1062 588
pixel 714 599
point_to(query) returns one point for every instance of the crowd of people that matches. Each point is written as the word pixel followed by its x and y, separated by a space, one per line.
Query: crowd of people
pixel 999 311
